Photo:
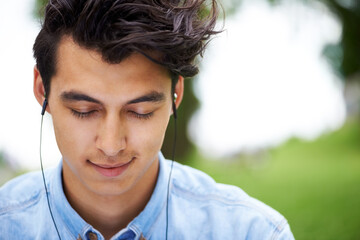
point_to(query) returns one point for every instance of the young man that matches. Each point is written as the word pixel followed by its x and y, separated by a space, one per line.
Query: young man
pixel 111 73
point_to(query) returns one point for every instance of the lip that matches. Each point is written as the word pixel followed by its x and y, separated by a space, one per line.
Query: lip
pixel 111 170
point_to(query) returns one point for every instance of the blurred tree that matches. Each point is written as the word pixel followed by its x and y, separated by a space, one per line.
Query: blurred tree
pixel 189 105
pixel 345 57
pixel 187 108
pixel 39 8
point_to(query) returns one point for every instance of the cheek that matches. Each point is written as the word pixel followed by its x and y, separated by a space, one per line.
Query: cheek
pixel 72 138
pixel 150 138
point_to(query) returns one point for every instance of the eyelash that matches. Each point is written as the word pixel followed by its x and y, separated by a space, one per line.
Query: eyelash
pixel 142 116
pixel 82 115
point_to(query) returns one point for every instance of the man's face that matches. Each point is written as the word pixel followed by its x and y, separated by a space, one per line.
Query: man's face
pixel 109 119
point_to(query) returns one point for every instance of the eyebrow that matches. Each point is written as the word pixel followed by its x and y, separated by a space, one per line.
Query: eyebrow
pixel 73 96
pixel 151 97
pixel 76 96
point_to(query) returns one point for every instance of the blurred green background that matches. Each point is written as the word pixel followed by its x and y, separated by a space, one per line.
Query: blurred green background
pixel 314 184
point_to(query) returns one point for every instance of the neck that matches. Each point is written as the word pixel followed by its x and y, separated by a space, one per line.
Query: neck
pixel 110 214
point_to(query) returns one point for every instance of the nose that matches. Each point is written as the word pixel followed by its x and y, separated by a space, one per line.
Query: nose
pixel 111 137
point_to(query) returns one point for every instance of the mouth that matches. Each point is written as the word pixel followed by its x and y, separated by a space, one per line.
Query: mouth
pixel 109 170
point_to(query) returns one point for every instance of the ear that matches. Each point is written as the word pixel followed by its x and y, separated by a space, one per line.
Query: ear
pixel 179 90
pixel 39 90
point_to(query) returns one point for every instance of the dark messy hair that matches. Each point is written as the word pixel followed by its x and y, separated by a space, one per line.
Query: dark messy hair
pixel 176 30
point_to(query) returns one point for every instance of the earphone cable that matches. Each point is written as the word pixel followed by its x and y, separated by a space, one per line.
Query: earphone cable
pixel 43 176
pixel 171 168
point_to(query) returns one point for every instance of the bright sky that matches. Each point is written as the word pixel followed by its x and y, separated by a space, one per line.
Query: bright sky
pixel 264 80
pixel 20 113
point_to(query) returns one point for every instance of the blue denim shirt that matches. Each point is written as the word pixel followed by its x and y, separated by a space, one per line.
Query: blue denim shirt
pixel 199 208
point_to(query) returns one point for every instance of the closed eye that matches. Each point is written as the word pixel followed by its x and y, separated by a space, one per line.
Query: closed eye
pixel 82 114
pixel 142 116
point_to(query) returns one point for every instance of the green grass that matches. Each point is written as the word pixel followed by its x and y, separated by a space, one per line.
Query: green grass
pixel 315 185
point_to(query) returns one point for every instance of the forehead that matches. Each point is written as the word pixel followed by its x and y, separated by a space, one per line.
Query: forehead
pixel 84 69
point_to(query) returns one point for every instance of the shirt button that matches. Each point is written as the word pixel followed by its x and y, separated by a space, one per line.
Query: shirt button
pixel 92 236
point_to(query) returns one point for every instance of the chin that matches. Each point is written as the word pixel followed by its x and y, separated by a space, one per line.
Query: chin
pixel 110 188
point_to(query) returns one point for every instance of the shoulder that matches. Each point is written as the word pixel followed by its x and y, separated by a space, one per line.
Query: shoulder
pixel 225 205
pixel 22 207
pixel 20 192
pixel 198 184
pixel 195 184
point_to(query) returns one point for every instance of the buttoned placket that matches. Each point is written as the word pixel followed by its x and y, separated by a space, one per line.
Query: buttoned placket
pixel 90 236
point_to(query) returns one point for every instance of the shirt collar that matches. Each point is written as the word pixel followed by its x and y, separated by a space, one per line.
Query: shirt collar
pixel 142 225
